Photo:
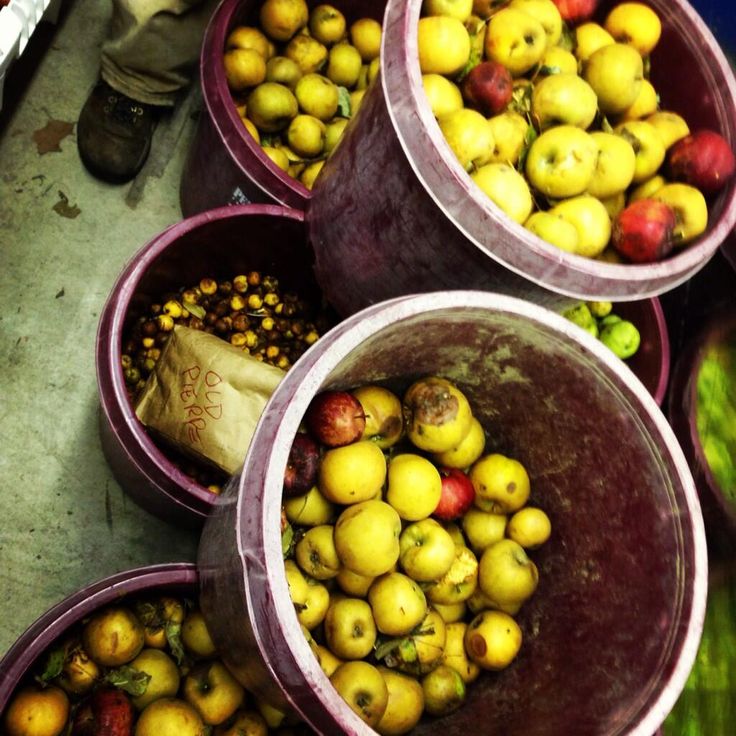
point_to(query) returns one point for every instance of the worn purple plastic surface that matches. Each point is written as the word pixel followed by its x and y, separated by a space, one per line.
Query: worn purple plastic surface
pixel 411 219
pixel 718 510
pixel 728 248
pixel 612 631
pixel 219 243
pixel 178 577
pixel 225 165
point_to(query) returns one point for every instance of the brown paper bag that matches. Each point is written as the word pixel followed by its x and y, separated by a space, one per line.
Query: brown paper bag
pixel 205 397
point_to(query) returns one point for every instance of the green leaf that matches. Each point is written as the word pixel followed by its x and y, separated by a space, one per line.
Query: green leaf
pixel 54 664
pixel 547 71
pixel 173 637
pixel 606 127
pixel 476 34
pixel 521 99
pixel 529 137
pixel 127 678
pixel 269 139
pixel 567 38
pixel 196 309
pixel 343 102
pixel 287 541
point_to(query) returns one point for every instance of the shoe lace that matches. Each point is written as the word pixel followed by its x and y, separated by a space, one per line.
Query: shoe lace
pixel 123 108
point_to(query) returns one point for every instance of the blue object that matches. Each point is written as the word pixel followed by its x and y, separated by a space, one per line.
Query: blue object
pixel 720 18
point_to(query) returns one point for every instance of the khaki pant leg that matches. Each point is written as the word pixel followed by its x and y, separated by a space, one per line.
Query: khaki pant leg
pixel 153 47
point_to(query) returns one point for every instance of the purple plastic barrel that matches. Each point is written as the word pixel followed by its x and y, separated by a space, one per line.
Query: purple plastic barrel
pixel 219 243
pixel 172 578
pixel 411 219
pixel 719 510
pixel 224 164
pixel 613 628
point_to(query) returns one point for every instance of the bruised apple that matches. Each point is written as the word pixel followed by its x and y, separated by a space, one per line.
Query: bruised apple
pixel 457 494
pixel 488 87
pixel 107 712
pixel 703 159
pixel 335 418
pixel 302 466
pixel 643 231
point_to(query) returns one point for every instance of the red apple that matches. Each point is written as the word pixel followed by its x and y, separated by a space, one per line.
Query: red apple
pixel 457 494
pixel 576 11
pixel 702 159
pixel 107 712
pixel 488 87
pixel 335 418
pixel 301 469
pixel 643 231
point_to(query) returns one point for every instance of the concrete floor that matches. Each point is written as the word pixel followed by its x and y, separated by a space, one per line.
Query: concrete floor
pixel 64 521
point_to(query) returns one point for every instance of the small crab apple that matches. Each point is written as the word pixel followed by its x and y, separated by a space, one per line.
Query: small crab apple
pixel 302 466
pixel 643 231
pixel 335 418
pixel 703 159
pixel 457 494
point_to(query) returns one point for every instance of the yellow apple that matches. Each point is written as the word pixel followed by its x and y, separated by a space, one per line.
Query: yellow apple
pixel 506 575
pixel 245 723
pixel 444 691
pixel 352 583
pixel 397 602
pixel 483 528
pixel 648 147
pixel 561 161
pixel 414 486
pixel 307 52
pixel 636 24
pixel 384 421
pixel 515 39
pixel 509 130
pixel 248 37
pixel 444 95
pixel 281 19
pixel 196 636
pixel 367 537
pixel 405 703
pixel 460 9
pixel 506 188
pixel 614 204
pixel 315 553
pixel 327 24
pixel 530 527
pixel 422 650
pixel 343 65
pixel 79 673
pixel 327 659
pixel 352 473
pixel 589 37
pixel 309 509
pixel 365 34
pixel 306 135
pixel 317 96
pixel 113 636
pixel 546 12
pixel 690 207
pixel 426 550
pixel 363 688
pixel 615 72
pixel 590 218
pixel 170 717
pixel 563 99
pixel 451 612
pixel 455 655
pixel 213 691
pixel 164 674
pixel 459 582
pixel 555 230
pixel 468 450
pixel 670 126
pixel 443 44
pixel 644 105
pixel 501 483
pixel 284 71
pixel 350 628
pixel 469 135
pixel 557 60
pixel 492 640
pixel 615 165
pixel 37 711
pixel 647 188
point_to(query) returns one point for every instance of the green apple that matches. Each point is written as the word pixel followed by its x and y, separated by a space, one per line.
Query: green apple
pixel 615 72
pixel 367 537
pixel 648 147
pixel 469 136
pixel 271 107
pixel 310 509
pixel 546 12
pixel 282 70
pixel 397 602
pixel 444 95
pixel 455 655
pixel 426 550
pixel 350 629
pixel 483 528
pixel 561 161
pixel 414 486
pixel 444 691
pixel 213 691
pixel 509 136
pixel 590 218
pixel 506 575
pixel 492 640
pixel 515 39
pixel 690 207
pixel 506 188
pixel 554 230
pixel 615 165
pixel 315 552
pixel 405 703
pixel 459 582
pixel 563 99
pixel 169 717
pixel 164 674
pixel 363 688
pixel 352 473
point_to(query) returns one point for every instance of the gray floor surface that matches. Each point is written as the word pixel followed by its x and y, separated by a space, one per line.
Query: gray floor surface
pixel 64 238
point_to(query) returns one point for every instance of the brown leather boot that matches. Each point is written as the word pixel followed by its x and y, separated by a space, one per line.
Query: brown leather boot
pixel 114 134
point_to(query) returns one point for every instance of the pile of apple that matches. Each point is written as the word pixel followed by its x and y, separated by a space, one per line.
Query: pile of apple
pixel 298 77
pixel 405 548
pixel 555 119
pixel 145 666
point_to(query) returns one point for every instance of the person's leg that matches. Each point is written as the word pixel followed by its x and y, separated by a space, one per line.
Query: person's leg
pixel 146 61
